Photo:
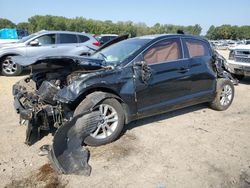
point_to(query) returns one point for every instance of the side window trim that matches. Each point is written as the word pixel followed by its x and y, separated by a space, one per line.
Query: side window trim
pixel 169 38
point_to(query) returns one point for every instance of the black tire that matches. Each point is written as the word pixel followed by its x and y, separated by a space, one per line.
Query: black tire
pixel 12 70
pixel 90 140
pixel 238 77
pixel 223 85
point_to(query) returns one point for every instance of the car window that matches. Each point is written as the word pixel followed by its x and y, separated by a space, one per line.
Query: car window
pixel 83 38
pixel 164 51
pixel 196 48
pixel 68 38
pixel 47 39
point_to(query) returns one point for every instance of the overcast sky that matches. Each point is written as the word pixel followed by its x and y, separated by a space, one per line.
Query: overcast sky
pixel 189 12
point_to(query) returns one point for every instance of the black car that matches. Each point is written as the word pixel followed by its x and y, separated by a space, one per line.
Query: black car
pixel 104 38
pixel 129 80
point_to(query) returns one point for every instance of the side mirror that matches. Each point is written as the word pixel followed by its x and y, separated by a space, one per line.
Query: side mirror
pixel 34 43
pixel 140 63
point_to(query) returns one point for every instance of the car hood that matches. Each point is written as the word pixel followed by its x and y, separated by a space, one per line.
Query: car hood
pixel 11 45
pixel 77 60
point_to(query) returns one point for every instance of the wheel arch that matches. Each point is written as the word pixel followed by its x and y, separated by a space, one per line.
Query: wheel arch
pixel 98 94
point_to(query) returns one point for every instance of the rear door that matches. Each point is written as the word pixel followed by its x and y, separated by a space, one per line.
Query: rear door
pixel 67 44
pixel 169 83
pixel 202 75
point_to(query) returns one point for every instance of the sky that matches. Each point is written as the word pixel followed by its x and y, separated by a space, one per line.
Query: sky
pixel 177 12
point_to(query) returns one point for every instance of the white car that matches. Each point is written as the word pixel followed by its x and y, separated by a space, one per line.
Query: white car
pixel 239 61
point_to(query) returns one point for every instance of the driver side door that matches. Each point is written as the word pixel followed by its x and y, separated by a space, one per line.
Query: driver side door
pixel 169 83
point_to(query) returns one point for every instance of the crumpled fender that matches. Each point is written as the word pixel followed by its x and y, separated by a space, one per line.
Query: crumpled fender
pixel 219 62
pixel 95 98
pixel 67 154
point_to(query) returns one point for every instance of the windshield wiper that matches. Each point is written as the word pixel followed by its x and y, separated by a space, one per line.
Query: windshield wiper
pixel 104 57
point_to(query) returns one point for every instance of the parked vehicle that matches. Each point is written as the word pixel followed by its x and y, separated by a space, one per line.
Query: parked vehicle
pixel 45 43
pixel 104 38
pixel 129 80
pixel 239 61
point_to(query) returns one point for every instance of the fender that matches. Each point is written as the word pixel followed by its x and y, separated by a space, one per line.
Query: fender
pixel 96 97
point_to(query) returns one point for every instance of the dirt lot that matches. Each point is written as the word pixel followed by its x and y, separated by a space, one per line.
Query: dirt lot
pixel 193 147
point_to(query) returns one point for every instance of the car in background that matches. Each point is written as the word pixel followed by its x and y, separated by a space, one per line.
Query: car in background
pixel 239 61
pixel 45 43
pixel 104 38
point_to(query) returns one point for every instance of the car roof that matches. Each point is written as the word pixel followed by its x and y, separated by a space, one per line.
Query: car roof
pixel 62 32
pixel 157 36
pixel 104 35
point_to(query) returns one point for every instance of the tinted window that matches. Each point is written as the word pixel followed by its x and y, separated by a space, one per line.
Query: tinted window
pixel 68 38
pixel 196 48
pixel 47 39
pixel 167 50
pixel 83 38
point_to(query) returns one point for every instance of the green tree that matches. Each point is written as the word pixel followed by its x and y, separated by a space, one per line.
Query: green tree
pixel 5 23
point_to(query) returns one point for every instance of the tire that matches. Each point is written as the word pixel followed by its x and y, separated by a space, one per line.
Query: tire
pixel 224 95
pixel 115 128
pixel 9 68
pixel 238 77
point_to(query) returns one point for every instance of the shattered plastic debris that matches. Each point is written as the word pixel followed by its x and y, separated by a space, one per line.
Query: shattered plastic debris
pixel 67 154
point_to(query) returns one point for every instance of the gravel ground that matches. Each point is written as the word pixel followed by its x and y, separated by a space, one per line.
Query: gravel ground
pixel 192 147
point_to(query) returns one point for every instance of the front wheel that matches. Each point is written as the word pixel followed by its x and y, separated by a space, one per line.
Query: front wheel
pixel 224 95
pixel 111 125
pixel 9 68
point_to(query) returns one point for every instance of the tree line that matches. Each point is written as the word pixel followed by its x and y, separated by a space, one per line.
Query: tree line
pixel 80 24
pixel 228 32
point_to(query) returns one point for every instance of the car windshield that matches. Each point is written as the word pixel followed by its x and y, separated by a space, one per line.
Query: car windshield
pixel 117 53
pixel 24 39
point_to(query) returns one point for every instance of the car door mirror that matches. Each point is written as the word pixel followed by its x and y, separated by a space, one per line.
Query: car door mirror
pixel 145 71
pixel 34 43
pixel 140 63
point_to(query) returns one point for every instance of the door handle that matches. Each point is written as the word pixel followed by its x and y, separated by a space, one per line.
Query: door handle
pixel 183 70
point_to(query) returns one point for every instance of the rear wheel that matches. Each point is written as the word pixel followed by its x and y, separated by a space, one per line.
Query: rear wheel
pixel 9 68
pixel 111 125
pixel 224 95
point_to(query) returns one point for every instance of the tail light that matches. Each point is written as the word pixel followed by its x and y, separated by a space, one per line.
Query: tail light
pixel 97 43
pixel 231 55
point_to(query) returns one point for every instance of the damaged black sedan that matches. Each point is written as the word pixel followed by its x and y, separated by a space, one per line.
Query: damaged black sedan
pixel 129 80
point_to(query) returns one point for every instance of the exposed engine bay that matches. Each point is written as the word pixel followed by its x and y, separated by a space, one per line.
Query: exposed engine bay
pixel 35 97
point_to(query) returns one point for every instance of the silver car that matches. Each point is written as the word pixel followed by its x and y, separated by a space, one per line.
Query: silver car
pixel 45 43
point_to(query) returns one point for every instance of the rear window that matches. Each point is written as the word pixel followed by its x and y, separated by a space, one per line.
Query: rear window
pixel 83 38
pixel 196 48
pixel 67 38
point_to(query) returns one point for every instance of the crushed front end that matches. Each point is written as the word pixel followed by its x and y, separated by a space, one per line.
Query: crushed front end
pixel 35 96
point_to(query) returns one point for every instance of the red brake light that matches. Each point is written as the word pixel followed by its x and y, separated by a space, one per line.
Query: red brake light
pixel 97 43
